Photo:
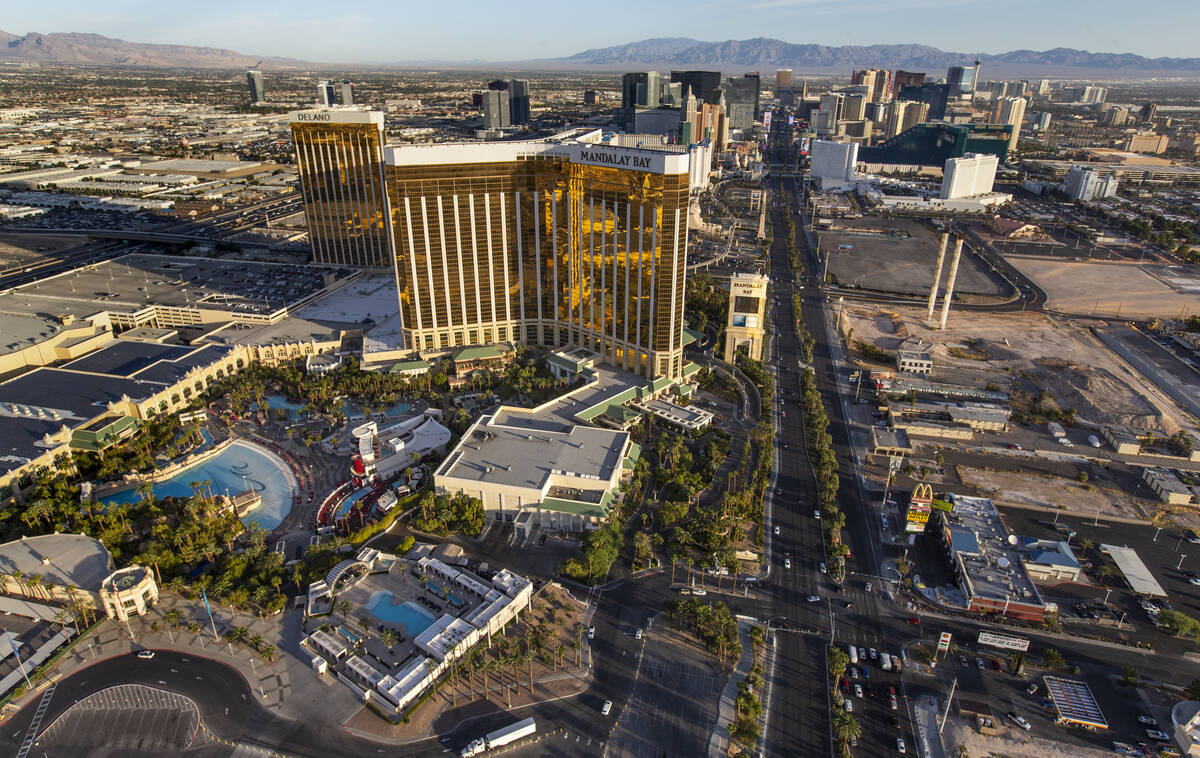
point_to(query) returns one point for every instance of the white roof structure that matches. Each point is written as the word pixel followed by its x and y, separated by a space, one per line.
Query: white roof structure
pixel 1135 572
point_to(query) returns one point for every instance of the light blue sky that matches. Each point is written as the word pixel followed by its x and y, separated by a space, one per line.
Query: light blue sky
pixel 369 31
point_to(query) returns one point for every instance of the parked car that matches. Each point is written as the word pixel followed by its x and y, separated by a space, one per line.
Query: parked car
pixel 814 598
pixel 1157 736
pixel 1147 720
pixel 849 705
pixel 604 709
pixel 874 655
pixel 145 655
pixel 858 690
pixel 1019 720
pixel 823 570
pixel 913 620
pixel 900 746
pixel 979 663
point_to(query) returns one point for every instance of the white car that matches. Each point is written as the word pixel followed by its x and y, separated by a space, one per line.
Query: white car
pixel 604 709
pixel 1157 736
pixel 874 654
pixel 591 632
pixel 1020 721
pixel 787 563
pixel 900 746
pixel 823 570
pixel 849 705
pixel 1147 720
pixel 814 598
pixel 699 592
pixel 857 690
pixel 145 655
pixel 638 635
pixel 776 531
pixel 817 514
pixel 862 654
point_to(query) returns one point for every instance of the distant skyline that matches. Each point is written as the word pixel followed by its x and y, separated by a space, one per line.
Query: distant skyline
pixel 478 30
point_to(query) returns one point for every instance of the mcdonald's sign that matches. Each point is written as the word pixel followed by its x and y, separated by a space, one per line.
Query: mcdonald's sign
pixel 922 493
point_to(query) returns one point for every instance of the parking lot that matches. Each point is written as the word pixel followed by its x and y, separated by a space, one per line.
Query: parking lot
pixel 130 717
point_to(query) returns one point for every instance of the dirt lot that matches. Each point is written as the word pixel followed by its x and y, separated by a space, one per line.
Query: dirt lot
pixel 1009 744
pixel 1105 289
pixel 997 348
pixel 1045 491
pixel 19 248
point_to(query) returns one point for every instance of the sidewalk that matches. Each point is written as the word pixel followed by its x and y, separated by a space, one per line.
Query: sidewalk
pixel 925 716
pixel 718 741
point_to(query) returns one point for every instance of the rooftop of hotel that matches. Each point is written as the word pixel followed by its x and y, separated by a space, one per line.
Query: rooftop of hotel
pixel 61 559
pixel 527 454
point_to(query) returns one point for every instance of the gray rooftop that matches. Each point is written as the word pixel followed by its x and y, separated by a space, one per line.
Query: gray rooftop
pixel 992 563
pixel 61 559
pixel 525 455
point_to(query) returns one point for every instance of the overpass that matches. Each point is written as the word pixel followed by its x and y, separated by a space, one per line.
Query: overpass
pixel 131 235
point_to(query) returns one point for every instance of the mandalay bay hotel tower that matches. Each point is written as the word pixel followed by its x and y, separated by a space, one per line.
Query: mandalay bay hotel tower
pixel 570 241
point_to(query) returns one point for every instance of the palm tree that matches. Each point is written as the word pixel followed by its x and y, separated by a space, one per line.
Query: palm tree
pixel 257 641
pixel 388 637
pixel 1052 659
pixel 845 728
pixel 172 617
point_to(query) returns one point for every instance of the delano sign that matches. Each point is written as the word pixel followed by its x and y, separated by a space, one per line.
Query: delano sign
pixel 1004 641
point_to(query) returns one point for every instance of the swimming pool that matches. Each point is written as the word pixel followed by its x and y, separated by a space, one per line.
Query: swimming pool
pixel 239 467
pixel 415 618
pixel 449 595
pixel 349 502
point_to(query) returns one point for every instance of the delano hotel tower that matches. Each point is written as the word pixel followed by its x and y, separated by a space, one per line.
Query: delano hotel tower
pixel 566 241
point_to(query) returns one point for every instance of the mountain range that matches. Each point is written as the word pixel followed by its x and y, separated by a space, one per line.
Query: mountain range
pixel 730 55
pixel 767 54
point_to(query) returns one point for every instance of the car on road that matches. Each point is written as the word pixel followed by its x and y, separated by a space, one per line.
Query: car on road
pixel 1031 689
pixel 145 655
pixel 895 722
pixel 604 709
pixel 996 665
pixel 854 672
pixel 963 660
pixel 699 592
pixel 776 531
pixel 1147 720
pixel 849 603
pixel 814 598
pixel 823 568
pixel 913 620
pixel 787 563
pixel 778 491
pixel 900 746
pixel 862 653
pixel 591 632
pixel 849 705
pixel 1194 581
pixel 858 690
pixel 817 513
pixel 638 635
pixel 979 663
pixel 1157 736
pixel 1019 720
pixel 867 587
pixel 892 702
pixel 1194 539
pixel 874 654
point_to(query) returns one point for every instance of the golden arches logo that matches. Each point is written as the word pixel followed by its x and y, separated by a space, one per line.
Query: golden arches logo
pixel 922 493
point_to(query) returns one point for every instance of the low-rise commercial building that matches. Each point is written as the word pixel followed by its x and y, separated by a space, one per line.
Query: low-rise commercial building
pixel 1167 486
pixel 1123 441
pixel 129 592
pixel 1049 561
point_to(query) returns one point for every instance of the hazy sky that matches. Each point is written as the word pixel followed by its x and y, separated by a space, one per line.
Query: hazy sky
pixel 371 31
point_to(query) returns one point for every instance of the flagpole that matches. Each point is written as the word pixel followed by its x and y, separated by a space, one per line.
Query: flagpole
pixel 21 664
pixel 208 608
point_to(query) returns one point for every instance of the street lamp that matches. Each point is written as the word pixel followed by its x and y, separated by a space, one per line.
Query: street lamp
pixel 1180 564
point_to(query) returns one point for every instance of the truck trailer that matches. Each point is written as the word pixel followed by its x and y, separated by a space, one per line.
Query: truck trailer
pixel 500 737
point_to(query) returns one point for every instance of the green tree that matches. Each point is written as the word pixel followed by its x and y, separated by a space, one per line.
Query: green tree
pixel 1052 659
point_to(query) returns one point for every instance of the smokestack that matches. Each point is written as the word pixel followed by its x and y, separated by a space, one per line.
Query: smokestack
pixel 937 275
pixel 958 243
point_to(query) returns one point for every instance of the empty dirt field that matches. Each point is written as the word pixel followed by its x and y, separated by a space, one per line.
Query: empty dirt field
pixel 1106 289
pixel 1009 488
pixel 24 248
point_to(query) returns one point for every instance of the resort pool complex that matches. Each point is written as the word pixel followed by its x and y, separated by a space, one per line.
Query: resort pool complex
pixel 237 468
pixel 350 408
pixel 349 502
pixel 458 603
pixel 415 618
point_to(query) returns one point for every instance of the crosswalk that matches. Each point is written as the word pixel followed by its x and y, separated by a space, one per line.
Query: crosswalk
pixel 36 723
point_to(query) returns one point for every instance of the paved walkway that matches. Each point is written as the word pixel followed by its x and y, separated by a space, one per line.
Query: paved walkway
pixel 925 716
pixel 718 741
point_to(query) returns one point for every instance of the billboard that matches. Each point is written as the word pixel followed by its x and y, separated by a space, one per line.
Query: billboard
pixel 916 518
pixel 1004 641
pixel 767 121
pixel 804 145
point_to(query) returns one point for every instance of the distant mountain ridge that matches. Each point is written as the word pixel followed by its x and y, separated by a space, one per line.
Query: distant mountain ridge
pixel 97 50
pixel 765 53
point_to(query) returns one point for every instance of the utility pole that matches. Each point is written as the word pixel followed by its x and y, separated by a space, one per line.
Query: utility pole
pixel 949 699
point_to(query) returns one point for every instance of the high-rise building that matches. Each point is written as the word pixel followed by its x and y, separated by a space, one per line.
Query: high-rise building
pixel 877 81
pixel 549 242
pixel 826 119
pixel 1010 110
pixel 832 163
pixel 705 85
pixel 258 91
pixel 1042 87
pixel 518 101
pixel 907 79
pixel 590 97
pixel 1148 112
pixel 961 80
pixel 642 89
pixel 854 107
pixel 339 158
pixel 968 176
pixel 741 100
pixel 1039 122
pixel 326 93
pixel 496 109
pixel 346 92
pixel 933 95
pixel 783 78
pixel 1085 185
pixel 1090 95
pixel 746 328
pixel 1115 116
pixel 904 115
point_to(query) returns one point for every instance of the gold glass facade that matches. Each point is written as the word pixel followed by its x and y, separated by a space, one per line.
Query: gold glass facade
pixel 545 251
pixel 341 179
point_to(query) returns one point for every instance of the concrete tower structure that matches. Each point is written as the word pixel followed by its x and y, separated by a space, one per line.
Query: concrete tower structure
pixel 747 315
pixel 937 275
pixel 958 246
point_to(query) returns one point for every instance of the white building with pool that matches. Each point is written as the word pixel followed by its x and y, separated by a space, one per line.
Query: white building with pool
pixel 435 611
